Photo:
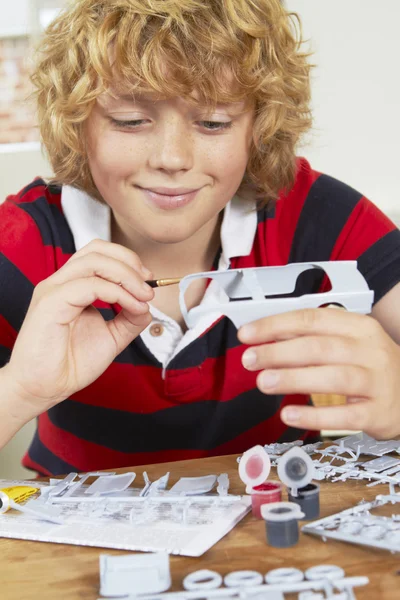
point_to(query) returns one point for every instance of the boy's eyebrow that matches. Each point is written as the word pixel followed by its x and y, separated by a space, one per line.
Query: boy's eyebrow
pixel 149 98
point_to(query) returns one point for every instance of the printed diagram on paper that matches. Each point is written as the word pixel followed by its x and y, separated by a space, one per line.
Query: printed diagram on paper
pixel 178 525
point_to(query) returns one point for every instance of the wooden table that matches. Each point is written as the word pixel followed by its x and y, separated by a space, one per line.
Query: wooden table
pixel 55 571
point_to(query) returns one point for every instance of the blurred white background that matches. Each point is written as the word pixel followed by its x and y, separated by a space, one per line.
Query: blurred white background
pixel 356 93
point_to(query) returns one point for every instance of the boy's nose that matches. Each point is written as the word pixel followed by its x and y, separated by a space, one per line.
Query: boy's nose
pixel 172 149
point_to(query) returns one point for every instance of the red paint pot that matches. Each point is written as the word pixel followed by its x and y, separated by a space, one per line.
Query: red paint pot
pixel 270 491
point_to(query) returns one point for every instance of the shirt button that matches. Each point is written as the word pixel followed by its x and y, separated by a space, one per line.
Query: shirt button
pixel 156 329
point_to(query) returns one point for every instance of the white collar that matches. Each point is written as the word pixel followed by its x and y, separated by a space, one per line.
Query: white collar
pixel 89 219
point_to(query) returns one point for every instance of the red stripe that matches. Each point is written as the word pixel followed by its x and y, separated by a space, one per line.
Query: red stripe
pixel 365 226
pixel 18 231
pixel 86 456
pixel 8 335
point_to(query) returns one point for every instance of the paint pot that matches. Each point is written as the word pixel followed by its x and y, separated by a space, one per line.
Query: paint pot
pixel 308 500
pixel 281 523
pixel 270 491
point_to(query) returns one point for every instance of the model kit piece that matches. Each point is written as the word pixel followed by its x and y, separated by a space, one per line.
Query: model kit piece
pixel 284 575
pixel 202 580
pixel 202 584
pixel 109 485
pixel 366 444
pixel 223 484
pixel 146 574
pixel 254 469
pixel 249 288
pixel 324 572
pixel 188 486
pixel 32 508
pixel 243 579
pixel 296 470
pixel 358 525
pixel 281 523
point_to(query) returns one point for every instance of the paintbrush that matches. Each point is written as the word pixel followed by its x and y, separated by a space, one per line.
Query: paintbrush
pixel 162 282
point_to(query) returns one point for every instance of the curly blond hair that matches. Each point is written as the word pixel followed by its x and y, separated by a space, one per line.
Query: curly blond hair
pixel 93 43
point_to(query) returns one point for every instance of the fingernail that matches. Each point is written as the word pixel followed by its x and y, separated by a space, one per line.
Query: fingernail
pixel 247 332
pixel 249 358
pixel 291 415
pixel 269 379
pixel 145 286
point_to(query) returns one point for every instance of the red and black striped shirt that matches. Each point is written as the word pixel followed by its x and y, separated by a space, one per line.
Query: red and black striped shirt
pixel 205 403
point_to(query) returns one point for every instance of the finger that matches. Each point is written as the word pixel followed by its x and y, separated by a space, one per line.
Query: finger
pixel 115 251
pixel 307 351
pixel 126 326
pixel 310 321
pixel 357 416
pixel 94 264
pixel 67 301
pixel 345 380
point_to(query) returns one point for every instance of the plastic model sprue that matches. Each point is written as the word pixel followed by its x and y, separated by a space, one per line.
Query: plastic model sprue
pixel 242 293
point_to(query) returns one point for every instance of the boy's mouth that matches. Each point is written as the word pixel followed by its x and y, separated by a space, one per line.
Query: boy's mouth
pixel 169 198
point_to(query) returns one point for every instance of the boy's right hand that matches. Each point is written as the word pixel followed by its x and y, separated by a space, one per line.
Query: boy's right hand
pixel 64 343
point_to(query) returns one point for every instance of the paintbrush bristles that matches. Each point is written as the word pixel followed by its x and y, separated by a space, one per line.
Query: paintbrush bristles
pixel 162 282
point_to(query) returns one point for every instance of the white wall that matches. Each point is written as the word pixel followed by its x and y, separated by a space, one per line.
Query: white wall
pixel 356 93
pixel 15 17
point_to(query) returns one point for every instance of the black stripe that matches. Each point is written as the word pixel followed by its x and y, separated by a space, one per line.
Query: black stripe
pixel 380 264
pixel 327 208
pixel 200 425
pixel 266 212
pixel 52 224
pixel 34 184
pixel 15 293
pixel 5 354
pixel 42 456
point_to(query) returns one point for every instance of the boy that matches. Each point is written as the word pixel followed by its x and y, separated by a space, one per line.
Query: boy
pixel 171 130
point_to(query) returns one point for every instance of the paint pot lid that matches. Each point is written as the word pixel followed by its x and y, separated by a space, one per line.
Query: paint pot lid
pixel 254 466
pixel 296 468
pixel 281 511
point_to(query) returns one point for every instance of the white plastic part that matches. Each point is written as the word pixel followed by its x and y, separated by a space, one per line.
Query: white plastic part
pixel 109 485
pixel 223 484
pixel 243 578
pixel 358 525
pixel 366 444
pixel 32 507
pixel 270 591
pixel 254 467
pixel 188 486
pixel 61 487
pixel 324 572
pixel 248 287
pixel 134 573
pixel 202 580
pixel 295 469
pixel 284 575
pixel 281 511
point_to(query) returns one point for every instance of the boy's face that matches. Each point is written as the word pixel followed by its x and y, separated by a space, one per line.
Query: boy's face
pixel 137 146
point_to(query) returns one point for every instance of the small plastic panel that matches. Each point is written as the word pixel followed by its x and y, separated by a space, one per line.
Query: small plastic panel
pixel 349 289
pixel 142 574
pixel 188 486
pixel 109 485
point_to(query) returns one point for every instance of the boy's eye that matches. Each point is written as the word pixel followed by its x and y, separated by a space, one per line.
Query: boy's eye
pixel 209 125
pixel 216 125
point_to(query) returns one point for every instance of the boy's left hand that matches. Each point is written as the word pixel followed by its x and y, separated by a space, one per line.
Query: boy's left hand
pixel 330 352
